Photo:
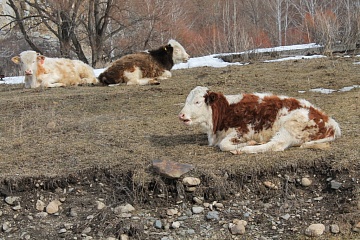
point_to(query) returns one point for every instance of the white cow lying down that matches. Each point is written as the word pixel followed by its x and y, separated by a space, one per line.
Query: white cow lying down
pixel 41 71
pixel 253 123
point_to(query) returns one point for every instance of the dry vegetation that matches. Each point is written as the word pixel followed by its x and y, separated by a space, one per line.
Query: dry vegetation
pixel 56 134
pixel 59 131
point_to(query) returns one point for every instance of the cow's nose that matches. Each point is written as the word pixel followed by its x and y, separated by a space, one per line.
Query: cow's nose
pixel 181 116
pixel 28 72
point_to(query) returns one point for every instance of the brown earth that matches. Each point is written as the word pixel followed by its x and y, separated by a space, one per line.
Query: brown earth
pixel 77 137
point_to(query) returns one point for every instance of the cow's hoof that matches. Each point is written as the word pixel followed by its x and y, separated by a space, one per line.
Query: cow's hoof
pixel 114 85
pixel 154 82
pixel 236 152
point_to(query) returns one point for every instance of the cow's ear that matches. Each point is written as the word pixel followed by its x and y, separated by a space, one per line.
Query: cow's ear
pixel 167 47
pixel 41 59
pixel 210 98
pixel 16 59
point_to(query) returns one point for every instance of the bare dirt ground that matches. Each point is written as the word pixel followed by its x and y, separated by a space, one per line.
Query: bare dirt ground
pixel 93 142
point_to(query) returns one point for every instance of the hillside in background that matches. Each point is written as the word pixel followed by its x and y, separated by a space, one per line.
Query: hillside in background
pixel 98 32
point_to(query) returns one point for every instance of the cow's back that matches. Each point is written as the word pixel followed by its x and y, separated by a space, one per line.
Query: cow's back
pixel 85 72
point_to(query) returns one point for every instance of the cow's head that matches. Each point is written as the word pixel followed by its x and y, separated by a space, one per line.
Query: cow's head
pixel 196 110
pixel 28 61
pixel 179 53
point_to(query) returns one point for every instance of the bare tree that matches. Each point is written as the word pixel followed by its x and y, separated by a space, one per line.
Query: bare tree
pixel 79 25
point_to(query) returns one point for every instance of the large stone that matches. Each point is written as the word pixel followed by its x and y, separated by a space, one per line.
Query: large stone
pixel 212 215
pixel 315 230
pixel 306 182
pixel 236 229
pixel 197 209
pixel 124 209
pixel 40 205
pixel 171 169
pixel 191 181
pixel 12 200
pixel 53 207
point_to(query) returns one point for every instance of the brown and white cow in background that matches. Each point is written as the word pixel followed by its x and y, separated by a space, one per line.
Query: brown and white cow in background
pixel 41 71
pixel 145 68
pixel 253 123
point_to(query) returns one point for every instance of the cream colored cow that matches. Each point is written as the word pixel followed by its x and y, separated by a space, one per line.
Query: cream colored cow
pixel 41 71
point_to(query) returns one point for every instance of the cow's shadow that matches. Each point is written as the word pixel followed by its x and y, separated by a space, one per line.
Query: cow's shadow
pixel 173 140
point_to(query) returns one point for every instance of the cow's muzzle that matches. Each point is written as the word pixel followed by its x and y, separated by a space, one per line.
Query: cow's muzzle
pixel 183 118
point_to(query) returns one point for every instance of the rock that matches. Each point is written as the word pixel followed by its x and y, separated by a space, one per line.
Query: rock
pixel 171 169
pixel 236 229
pixel 242 222
pixel 334 228
pixel 183 218
pixel 100 205
pixel 306 182
pixel 6 226
pixel 53 207
pixel 62 230
pixel 86 230
pixel 40 205
pixel 197 210
pixel 16 208
pixel 315 230
pixel 175 225
pixel 270 185
pixel 335 185
pixel 197 200
pixel 124 209
pixel 12 200
pixel 68 226
pixel 158 224
pixel 73 212
pixel 356 227
pixel 124 237
pixel 172 211
pixel 318 198
pixel 219 205
pixel 212 215
pixel 41 214
pixel 191 181
pixel 190 189
pixel 286 216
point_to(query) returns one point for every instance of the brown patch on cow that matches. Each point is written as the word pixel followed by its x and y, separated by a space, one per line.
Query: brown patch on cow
pixel 249 111
pixel 219 106
pixel 40 69
pixel 320 120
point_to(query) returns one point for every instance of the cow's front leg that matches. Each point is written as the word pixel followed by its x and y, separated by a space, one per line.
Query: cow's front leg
pixel 282 140
pixel 232 143
pixel 166 74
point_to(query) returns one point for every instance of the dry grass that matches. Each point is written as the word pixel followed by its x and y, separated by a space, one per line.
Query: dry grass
pixel 113 133
pixel 55 132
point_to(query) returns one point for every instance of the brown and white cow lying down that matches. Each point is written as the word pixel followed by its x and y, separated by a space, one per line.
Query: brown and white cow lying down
pixel 145 68
pixel 41 71
pixel 253 123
